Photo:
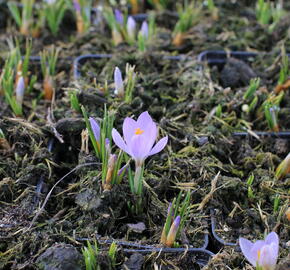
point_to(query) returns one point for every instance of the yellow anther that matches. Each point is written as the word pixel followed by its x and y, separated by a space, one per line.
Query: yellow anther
pixel 259 254
pixel 139 131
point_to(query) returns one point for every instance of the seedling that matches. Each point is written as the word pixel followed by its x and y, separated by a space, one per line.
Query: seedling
pixel 74 102
pixel 219 111
pixel 283 82
pixel 83 9
pixel 271 115
pixel 101 138
pixel 253 87
pixel 189 15
pixel 117 22
pixel 212 9
pixel 124 28
pixel 268 14
pixel 48 68
pixel 90 254
pixel 276 203
pixel 249 183
pixel 54 12
pixel 14 77
pixel 24 17
pixel 112 253
pixel 176 217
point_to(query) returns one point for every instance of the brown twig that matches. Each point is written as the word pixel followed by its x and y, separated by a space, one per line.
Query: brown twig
pixel 209 195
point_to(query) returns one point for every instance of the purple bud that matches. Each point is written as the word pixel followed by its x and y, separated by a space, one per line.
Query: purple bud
pixel 95 128
pixel 119 16
pixel 77 6
pixel 107 145
pixel 169 208
pixel 144 30
pixel 176 222
pixel 20 88
pixel 171 236
pixel 119 85
pixel 131 27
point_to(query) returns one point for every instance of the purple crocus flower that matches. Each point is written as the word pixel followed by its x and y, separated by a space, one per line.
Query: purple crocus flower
pixel 262 253
pixel 119 85
pixel 144 30
pixel 139 138
pixel 131 27
pixel 119 16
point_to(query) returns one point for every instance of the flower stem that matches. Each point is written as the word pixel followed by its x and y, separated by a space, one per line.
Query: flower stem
pixel 138 180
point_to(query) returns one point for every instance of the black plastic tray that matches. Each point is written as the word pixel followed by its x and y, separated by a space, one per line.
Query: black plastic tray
pixel 220 57
pixel 81 60
pixel 202 255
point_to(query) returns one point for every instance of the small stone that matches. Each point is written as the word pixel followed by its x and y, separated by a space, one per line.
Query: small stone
pixel 60 257
pixel 135 262
pixel 138 227
pixel 88 199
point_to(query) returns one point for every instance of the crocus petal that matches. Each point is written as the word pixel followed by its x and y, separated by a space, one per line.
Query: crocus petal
pixel 144 30
pixel 246 247
pixel 96 128
pixel 272 237
pixel 158 146
pixel 119 141
pixel 144 120
pixel 137 148
pixel 129 127
pixel 268 258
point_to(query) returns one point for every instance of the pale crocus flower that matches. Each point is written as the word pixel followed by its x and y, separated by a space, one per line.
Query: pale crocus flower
pixel 119 85
pixel 139 138
pixel 262 254
pixel 131 27
pixel 139 143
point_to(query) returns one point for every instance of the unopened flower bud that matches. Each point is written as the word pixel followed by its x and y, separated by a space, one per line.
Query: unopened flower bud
pixel 119 85
pixel 131 27
pixel 144 30
pixel 119 16
pixel 172 232
pixel 20 89
pixel 111 165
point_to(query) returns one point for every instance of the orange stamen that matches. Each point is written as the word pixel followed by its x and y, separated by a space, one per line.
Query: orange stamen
pixel 139 131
